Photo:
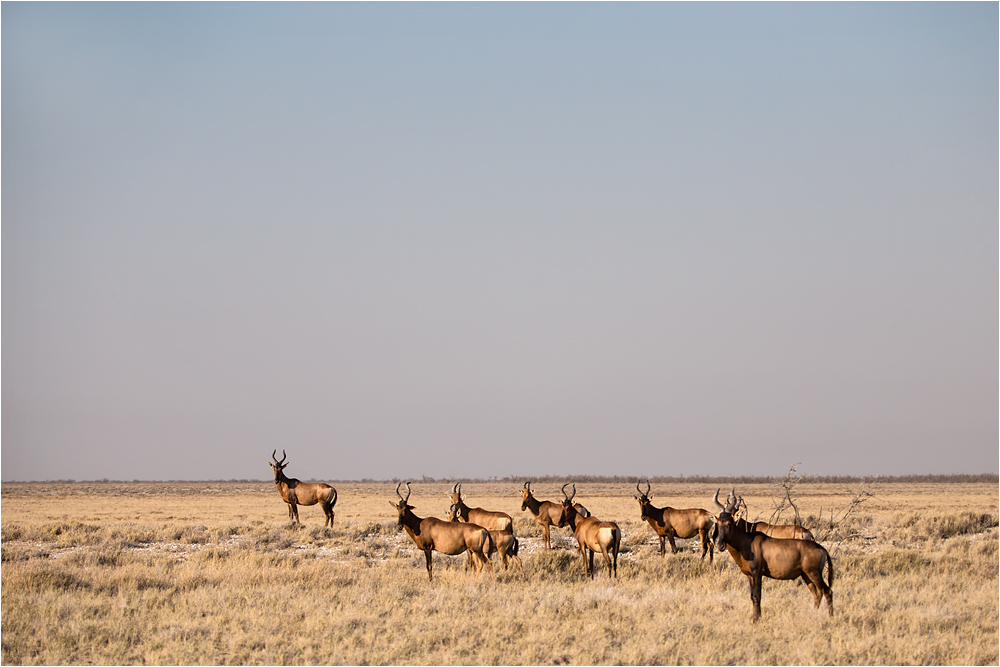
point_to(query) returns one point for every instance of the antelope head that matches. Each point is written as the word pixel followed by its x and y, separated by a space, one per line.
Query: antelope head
pixel 725 521
pixel 643 498
pixel 568 509
pixel 278 466
pixel 402 507
pixel 452 513
pixel 525 494
pixel 456 494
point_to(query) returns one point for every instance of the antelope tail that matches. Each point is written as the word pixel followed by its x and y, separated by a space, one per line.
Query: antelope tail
pixel 332 498
pixel 488 546
pixel 829 569
pixel 515 546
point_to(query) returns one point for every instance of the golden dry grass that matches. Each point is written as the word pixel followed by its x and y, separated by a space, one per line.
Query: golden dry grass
pixel 214 574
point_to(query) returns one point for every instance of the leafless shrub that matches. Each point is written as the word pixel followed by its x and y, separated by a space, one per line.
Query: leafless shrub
pixel 864 491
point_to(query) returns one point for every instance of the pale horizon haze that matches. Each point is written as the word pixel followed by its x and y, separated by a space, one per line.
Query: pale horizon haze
pixel 485 240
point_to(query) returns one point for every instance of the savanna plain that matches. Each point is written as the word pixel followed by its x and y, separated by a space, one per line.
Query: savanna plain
pixel 214 573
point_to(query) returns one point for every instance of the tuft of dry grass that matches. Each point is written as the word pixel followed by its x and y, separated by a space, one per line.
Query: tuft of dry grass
pixel 224 579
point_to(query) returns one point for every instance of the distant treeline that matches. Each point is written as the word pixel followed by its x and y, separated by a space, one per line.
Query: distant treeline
pixel 985 478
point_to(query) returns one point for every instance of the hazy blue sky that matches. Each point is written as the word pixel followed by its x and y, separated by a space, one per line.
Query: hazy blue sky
pixel 499 239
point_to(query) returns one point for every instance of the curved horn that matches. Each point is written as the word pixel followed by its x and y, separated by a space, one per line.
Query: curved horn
pixel 731 504
pixel 283 457
pixel 398 493
pixel 407 498
pixel 274 455
pixel 454 489
pixel 637 488
pixel 716 501
pixel 459 488
pixel 647 488
pixel 569 498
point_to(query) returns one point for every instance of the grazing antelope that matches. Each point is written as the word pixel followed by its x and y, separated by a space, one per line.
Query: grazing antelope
pixel 297 493
pixel 759 556
pixel 504 543
pixel 449 538
pixel 491 521
pixel 546 513
pixel 669 523
pixel 593 535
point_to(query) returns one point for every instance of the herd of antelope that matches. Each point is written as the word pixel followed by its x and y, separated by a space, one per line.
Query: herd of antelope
pixel 759 549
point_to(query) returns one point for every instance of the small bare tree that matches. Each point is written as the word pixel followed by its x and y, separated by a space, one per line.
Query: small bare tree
pixel 866 489
pixel 786 485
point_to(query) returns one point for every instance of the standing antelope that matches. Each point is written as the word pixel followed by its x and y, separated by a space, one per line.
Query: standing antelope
pixel 593 535
pixel 491 521
pixel 449 538
pixel 297 493
pixel 504 543
pixel 784 531
pixel 759 556
pixel 546 513
pixel 669 523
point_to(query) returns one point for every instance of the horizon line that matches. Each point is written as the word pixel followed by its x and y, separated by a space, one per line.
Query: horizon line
pixel 953 478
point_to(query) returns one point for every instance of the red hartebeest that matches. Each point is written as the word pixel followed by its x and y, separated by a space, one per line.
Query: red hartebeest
pixel 546 513
pixel 784 531
pixel 297 493
pixel 759 556
pixel 449 538
pixel 504 543
pixel 669 523
pixel 593 535
pixel 491 521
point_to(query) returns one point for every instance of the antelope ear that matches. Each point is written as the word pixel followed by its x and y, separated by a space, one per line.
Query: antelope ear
pixel 391 504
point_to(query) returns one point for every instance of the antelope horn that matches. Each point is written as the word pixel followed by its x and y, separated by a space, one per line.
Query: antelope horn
pixel 283 457
pixel 716 501
pixel 569 498
pixel 637 488
pixel 454 489
pixel 527 485
pixel 398 493
pixel 407 498
pixel 647 488
pixel 459 488
pixel 731 504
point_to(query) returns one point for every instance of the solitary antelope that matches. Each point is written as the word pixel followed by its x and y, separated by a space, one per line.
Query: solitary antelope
pixel 546 513
pixel 297 493
pixel 593 535
pixel 669 523
pixel 450 538
pixel 759 556
pixel 491 521
pixel 504 543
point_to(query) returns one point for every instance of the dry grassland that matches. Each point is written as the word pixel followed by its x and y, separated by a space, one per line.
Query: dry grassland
pixel 214 574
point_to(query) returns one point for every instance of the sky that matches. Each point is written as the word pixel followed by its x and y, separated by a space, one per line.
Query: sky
pixel 490 240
